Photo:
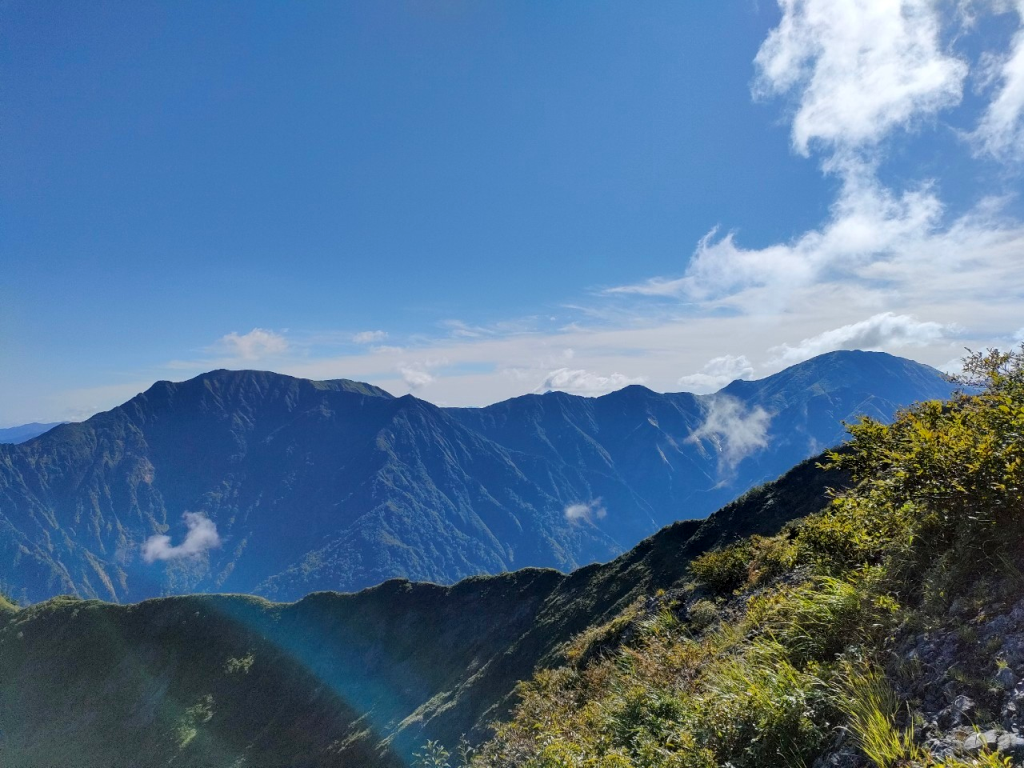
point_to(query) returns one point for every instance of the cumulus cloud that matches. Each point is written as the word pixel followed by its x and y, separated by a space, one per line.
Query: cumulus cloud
pixel 254 345
pixel 583 382
pixel 872 234
pixel 717 372
pixel 201 537
pixel 585 511
pixel 735 431
pixel 1000 132
pixel 369 337
pixel 857 71
pixel 860 68
pixel 416 378
pixel 879 332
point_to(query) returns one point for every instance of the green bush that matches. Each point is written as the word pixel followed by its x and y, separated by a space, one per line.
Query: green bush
pixel 724 570
pixel 702 614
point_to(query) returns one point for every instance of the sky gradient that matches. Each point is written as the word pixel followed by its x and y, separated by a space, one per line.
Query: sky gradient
pixel 475 201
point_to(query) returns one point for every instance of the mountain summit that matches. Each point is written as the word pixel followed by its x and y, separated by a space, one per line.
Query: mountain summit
pixel 249 481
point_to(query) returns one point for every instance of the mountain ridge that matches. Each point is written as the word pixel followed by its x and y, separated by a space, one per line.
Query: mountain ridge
pixel 338 484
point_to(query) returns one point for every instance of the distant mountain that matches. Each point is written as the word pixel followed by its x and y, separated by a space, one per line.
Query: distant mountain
pixel 25 432
pixel 338 485
pixel 332 680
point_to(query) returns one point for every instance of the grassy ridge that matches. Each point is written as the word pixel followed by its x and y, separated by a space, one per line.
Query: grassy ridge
pixel 882 631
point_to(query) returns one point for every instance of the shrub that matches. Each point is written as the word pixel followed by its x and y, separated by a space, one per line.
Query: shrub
pixel 723 570
pixel 702 614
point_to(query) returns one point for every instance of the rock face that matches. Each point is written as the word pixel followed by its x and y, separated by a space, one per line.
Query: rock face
pixel 338 485
pixel 970 691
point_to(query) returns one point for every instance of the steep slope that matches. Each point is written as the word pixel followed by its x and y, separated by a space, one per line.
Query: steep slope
pixel 887 630
pixel 334 679
pixel 674 456
pixel 338 485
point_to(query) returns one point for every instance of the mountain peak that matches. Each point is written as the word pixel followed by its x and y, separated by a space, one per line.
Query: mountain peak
pixel 228 382
pixel 846 369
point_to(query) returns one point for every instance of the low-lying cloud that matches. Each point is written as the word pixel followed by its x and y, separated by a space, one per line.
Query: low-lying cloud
pixel 583 382
pixel 735 431
pixel 585 511
pixel 879 332
pixel 201 537
pixel 416 378
pixel 717 372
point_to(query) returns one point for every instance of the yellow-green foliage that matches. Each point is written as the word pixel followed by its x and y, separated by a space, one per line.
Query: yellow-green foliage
pixel 867 700
pixel 937 508
pixel 192 719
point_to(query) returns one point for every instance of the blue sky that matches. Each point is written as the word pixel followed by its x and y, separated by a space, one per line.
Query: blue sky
pixel 471 201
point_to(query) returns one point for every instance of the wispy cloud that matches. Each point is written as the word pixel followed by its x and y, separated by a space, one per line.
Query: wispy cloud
pixel 369 337
pixel 1000 133
pixel 856 72
pixel 588 511
pixel 735 431
pixel 201 537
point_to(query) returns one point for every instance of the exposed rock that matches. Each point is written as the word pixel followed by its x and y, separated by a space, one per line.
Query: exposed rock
pixel 1011 744
pixel 979 741
pixel 1007 678
pixel 957 713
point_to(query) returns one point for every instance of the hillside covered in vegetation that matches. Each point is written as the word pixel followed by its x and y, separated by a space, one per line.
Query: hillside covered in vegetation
pixel 886 630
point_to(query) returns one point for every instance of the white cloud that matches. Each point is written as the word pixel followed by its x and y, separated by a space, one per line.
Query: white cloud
pixel 735 431
pixel 254 345
pixel 717 372
pixel 883 331
pixel 861 68
pixel 858 70
pixel 585 511
pixel 369 337
pixel 416 378
pixel 201 537
pixel 1000 131
pixel 582 382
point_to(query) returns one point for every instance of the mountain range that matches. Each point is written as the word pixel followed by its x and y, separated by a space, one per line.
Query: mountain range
pixel 255 482
pixel 24 432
